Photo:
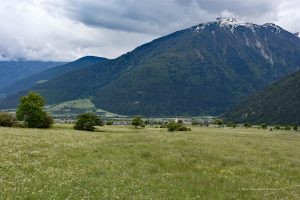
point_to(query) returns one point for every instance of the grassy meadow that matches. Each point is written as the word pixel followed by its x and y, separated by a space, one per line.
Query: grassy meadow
pixel 149 163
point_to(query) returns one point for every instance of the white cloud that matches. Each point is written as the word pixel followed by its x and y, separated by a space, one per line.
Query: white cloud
pixel 68 29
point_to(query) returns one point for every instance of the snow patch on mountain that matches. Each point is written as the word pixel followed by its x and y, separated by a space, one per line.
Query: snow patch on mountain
pixel 232 24
pixel 273 27
pixel 263 52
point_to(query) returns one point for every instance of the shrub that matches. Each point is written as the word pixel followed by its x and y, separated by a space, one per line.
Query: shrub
pixel 87 122
pixel 277 127
pixel 295 127
pixel 288 128
pixel 231 124
pixel 109 123
pixel 246 125
pixel 46 122
pixel 31 111
pixel 218 122
pixel 264 126
pixel 137 121
pixel 180 121
pixel 173 126
pixel 195 123
pixel 6 119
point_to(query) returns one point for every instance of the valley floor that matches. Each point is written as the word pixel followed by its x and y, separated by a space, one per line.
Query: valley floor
pixel 150 163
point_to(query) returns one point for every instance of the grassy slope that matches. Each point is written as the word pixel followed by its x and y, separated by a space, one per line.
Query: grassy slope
pixel 125 163
pixel 75 107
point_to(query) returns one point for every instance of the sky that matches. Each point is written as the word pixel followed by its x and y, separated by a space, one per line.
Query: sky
pixel 65 30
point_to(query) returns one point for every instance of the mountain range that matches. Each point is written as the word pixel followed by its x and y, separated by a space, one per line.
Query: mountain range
pixel 49 74
pixel 11 71
pixel 203 70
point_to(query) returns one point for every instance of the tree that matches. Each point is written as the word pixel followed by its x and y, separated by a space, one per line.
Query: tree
pixel 87 122
pixel 295 127
pixel 231 124
pixel 109 123
pixel 287 127
pixel 137 121
pixel 31 111
pixel 246 125
pixel 218 122
pixel 195 122
pixel 6 119
pixel 264 126
pixel 277 127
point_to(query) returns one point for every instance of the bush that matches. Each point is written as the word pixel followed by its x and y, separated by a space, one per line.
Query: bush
pixel 109 123
pixel 31 111
pixel 173 126
pixel 218 122
pixel 137 121
pixel 87 122
pixel 195 122
pixel 246 125
pixel 47 121
pixel 277 127
pixel 6 119
pixel 295 127
pixel 264 126
pixel 288 128
pixel 231 124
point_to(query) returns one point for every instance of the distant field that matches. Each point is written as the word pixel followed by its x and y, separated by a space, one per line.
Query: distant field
pixel 150 163
pixel 75 107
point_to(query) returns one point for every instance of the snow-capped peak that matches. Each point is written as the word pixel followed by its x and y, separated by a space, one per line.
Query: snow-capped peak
pixel 276 28
pixel 231 22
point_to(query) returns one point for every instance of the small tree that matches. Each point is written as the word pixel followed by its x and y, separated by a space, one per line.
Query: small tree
pixel 173 126
pixel 264 126
pixel 231 124
pixel 277 127
pixel 87 122
pixel 246 125
pixel 218 122
pixel 109 123
pixel 287 127
pixel 195 122
pixel 137 121
pixel 295 127
pixel 6 119
pixel 31 111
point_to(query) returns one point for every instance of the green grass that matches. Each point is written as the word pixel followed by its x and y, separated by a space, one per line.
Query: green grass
pixel 77 107
pixel 151 163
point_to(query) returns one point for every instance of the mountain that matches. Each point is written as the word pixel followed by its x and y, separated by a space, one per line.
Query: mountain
pixel 11 71
pixel 49 74
pixel 202 70
pixel 277 104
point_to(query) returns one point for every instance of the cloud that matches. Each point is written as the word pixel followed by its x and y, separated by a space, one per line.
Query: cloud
pixel 68 29
pixel 161 17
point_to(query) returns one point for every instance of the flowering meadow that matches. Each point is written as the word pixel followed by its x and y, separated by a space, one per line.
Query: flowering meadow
pixel 149 163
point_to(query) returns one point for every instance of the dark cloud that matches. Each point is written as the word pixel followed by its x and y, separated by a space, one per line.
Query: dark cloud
pixel 157 16
pixel 68 29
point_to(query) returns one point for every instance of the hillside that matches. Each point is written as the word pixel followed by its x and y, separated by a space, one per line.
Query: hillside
pixel 46 75
pixel 277 104
pixel 11 71
pixel 203 70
